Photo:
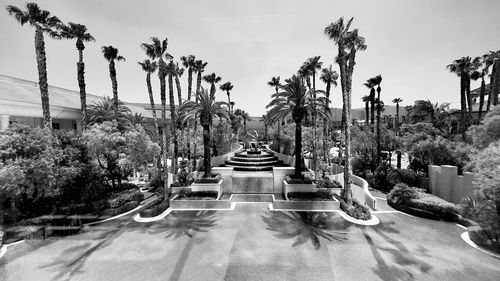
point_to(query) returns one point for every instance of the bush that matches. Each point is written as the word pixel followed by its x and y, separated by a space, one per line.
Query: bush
pixel 405 176
pixel 379 179
pixel 155 209
pixel 207 180
pixel 325 193
pixel 484 238
pixel 401 194
pixel 197 195
pixel 417 202
pixel 128 185
pixel 303 180
pixel 356 210
pixel 327 183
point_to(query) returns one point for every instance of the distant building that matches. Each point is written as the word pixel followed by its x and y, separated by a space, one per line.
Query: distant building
pixel 20 103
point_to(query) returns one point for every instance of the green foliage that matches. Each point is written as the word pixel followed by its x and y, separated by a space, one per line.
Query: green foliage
pixel 356 210
pixel 484 207
pixel 405 176
pixel 327 183
pixel 488 131
pixel 402 194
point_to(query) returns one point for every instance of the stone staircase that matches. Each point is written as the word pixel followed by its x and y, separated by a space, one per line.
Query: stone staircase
pixel 245 162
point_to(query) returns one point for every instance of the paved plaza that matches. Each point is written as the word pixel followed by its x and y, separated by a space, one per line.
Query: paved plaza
pixel 253 243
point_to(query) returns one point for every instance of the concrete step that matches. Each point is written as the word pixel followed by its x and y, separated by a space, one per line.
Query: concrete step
pixel 254 163
pixel 245 197
pixel 242 174
pixel 255 159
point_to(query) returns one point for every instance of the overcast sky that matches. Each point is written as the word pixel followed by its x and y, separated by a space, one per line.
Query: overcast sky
pixel 247 42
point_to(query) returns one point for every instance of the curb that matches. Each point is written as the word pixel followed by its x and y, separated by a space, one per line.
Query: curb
pixel 371 222
pixel 466 238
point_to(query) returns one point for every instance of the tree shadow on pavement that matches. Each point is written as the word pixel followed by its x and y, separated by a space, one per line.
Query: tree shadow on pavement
pixel 305 226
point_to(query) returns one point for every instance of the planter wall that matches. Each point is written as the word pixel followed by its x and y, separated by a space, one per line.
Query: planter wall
pixel 221 159
pixel 208 187
pixel 306 205
pixel 226 174
pixel 199 204
pixel 287 188
pixel 445 183
pixel 279 174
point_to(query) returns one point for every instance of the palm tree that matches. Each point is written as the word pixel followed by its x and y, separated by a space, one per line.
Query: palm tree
pixel 111 54
pixel 150 67
pixel 275 82
pixel 105 110
pixel 397 101
pixel 312 65
pixel 376 82
pixel 227 87
pixel 294 101
pixel 348 42
pixel 493 59
pixel 244 116
pixel 329 77
pixel 463 68
pixel 79 32
pixel 205 110
pixel 212 79
pixel 189 64
pixel 157 50
pixel 366 100
pixel 171 71
pixel 200 68
pixel 177 74
pixel 43 22
pixel 264 118
pixel 369 84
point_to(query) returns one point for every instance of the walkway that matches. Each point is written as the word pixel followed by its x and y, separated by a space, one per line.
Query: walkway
pixel 253 243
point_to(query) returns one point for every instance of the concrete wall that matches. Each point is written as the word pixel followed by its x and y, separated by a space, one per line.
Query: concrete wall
pixel 221 159
pixel 279 174
pixel 287 159
pixel 359 187
pixel 445 183
pixel 226 174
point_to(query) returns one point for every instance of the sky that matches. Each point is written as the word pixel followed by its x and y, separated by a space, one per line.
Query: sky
pixel 248 42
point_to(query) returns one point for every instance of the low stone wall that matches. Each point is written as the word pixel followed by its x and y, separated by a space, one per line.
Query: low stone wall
pixel 287 159
pixel 208 187
pixel 221 159
pixel 359 187
pixel 199 204
pixel 279 174
pixel 306 205
pixel 445 183
pixel 226 174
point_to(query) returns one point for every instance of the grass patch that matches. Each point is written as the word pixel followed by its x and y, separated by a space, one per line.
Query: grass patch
pixel 356 210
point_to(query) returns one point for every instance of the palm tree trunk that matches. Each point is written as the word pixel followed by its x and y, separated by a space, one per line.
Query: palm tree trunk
pixel 179 91
pixel 212 91
pixel 490 95
pixel 367 112
pixel 112 75
pixel 378 125
pixel 496 83
pixel 206 149
pixel 298 150
pixel 152 102
pixel 164 132
pixel 190 82
pixel 462 106
pixel 481 98
pixel 41 60
pixel 229 100
pixel 173 125
pixel 397 117
pixel 346 191
pixel 372 109
pixel 81 84
pixel 195 146
pixel 315 132
pixel 469 101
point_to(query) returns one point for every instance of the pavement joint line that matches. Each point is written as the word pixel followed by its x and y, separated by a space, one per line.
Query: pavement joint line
pixel 466 238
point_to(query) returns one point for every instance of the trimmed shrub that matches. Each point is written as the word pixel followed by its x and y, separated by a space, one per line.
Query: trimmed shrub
pixel 304 180
pixel 327 183
pixel 197 195
pixel 356 210
pixel 401 194
pixel 484 238
pixel 405 176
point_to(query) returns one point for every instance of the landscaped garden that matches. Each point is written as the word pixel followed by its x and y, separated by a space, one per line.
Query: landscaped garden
pixel 194 171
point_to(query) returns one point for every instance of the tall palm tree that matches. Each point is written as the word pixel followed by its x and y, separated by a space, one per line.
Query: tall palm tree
pixel 313 65
pixel 205 110
pixel 212 79
pixel 275 82
pixel 264 118
pixel 177 74
pixel 370 85
pixel 171 71
pixel 348 43
pixel 463 68
pixel 294 101
pixel 329 77
pixel 189 63
pixel 43 22
pixel 111 54
pixel 493 59
pixel 80 33
pixel 200 68
pixel 376 82
pixel 104 110
pixel 150 67
pixel 157 50
pixel 397 101
pixel 227 87
pixel 304 73
pixel 366 100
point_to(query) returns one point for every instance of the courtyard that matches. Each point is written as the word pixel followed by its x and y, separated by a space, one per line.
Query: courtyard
pixel 254 243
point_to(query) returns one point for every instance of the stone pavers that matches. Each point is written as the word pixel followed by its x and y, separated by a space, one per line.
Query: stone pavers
pixel 254 243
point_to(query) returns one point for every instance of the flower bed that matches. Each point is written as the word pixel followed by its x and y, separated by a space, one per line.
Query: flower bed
pixel 356 210
pixel 319 195
pixel 483 238
pixel 197 195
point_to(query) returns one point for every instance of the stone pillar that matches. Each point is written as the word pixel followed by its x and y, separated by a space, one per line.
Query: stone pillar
pixel 4 122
